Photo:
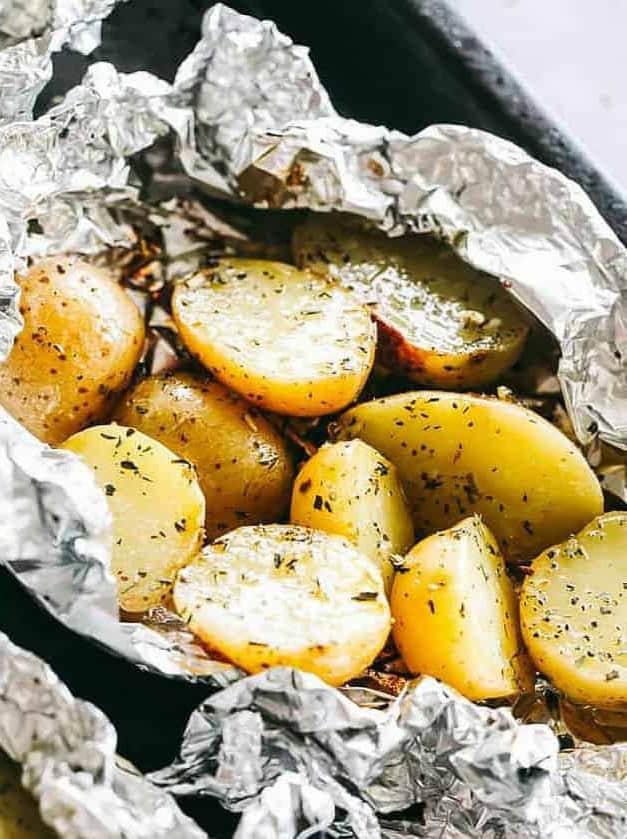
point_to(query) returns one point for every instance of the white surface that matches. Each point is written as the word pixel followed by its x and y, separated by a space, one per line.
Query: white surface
pixel 572 56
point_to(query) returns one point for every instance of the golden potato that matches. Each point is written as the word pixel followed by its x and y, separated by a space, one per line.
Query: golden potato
pixel 459 454
pixel 157 506
pixel 573 610
pixel 82 337
pixel 352 490
pixel 455 614
pixel 244 467
pixel 441 322
pixel 282 338
pixel 19 812
pixel 280 595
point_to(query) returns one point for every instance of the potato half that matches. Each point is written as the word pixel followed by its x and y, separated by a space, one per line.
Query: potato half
pixel 352 490
pixel 574 613
pixel 157 506
pixel 284 339
pixel 82 337
pixel 276 595
pixel 455 614
pixel 441 322
pixel 244 467
pixel 19 812
pixel 459 454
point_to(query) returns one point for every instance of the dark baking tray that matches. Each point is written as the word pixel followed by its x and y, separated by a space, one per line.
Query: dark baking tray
pixel 403 63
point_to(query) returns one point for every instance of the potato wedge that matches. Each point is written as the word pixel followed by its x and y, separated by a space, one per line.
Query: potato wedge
pixel 157 506
pixel 244 466
pixel 455 614
pixel 284 339
pixel 82 337
pixel 275 595
pixel 573 610
pixel 441 322
pixel 351 490
pixel 459 454
pixel 19 812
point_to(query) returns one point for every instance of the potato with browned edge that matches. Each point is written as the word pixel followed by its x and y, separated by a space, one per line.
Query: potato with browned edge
pixel 244 466
pixel 82 337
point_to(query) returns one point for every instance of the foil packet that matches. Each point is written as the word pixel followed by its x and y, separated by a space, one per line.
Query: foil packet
pixel 252 123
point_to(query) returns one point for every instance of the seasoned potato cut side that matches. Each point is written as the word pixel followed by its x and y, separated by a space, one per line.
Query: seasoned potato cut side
pixel 459 454
pixel 276 595
pixel 19 813
pixel 352 490
pixel 285 339
pixel 244 467
pixel 82 338
pixel 441 322
pixel 157 506
pixel 574 613
pixel 455 614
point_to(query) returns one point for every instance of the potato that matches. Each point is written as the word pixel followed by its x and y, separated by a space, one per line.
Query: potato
pixel 573 611
pixel 244 467
pixel 157 506
pixel 19 812
pixel 441 322
pixel 353 491
pixel 455 614
pixel 274 595
pixel 82 337
pixel 459 454
pixel 282 338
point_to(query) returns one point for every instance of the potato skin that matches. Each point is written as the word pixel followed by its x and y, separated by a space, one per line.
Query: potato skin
pixel 459 454
pixel 244 466
pixel 350 489
pixel 19 812
pixel 82 337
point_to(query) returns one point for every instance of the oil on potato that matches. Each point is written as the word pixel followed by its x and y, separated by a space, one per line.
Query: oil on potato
pixel 280 595
pixel 284 339
pixel 351 490
pixel 244 466
pixel 574 613
pixel 459 454
pixel 455 614
pixel 157 506
pixel 82 338
pixel 441 322
pixel 19 813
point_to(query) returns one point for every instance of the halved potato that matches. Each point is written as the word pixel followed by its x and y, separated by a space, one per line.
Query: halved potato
pixel 244 466
pixel 352 490
pixel 19 812
pixel 284 339
pixel 459 454
pixel 157 506
pixel 82 337
pixel 573 610
pixel 455 614
pixel 276 595
pixel 441 322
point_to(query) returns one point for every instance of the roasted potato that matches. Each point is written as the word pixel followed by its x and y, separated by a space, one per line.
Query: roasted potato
pixel 157 506
pixel 82 337
pixel 19 813
pixel 284 339
pixel 459 454
pixel 455 614
pixel 441 322
pixel 244 467
pixel 350 489
pixel 573 610
pixel 276 595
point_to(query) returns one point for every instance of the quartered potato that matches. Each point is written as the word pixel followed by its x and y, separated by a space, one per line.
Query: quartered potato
pixel 244 467
pixel 458 454
pixel 455 614
pixel 19 813
pixel 441 322
pixel 157 506
pixel 82 338
pixel 352 490
pixel 284 339
pixel 573 610
pixel 275 595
